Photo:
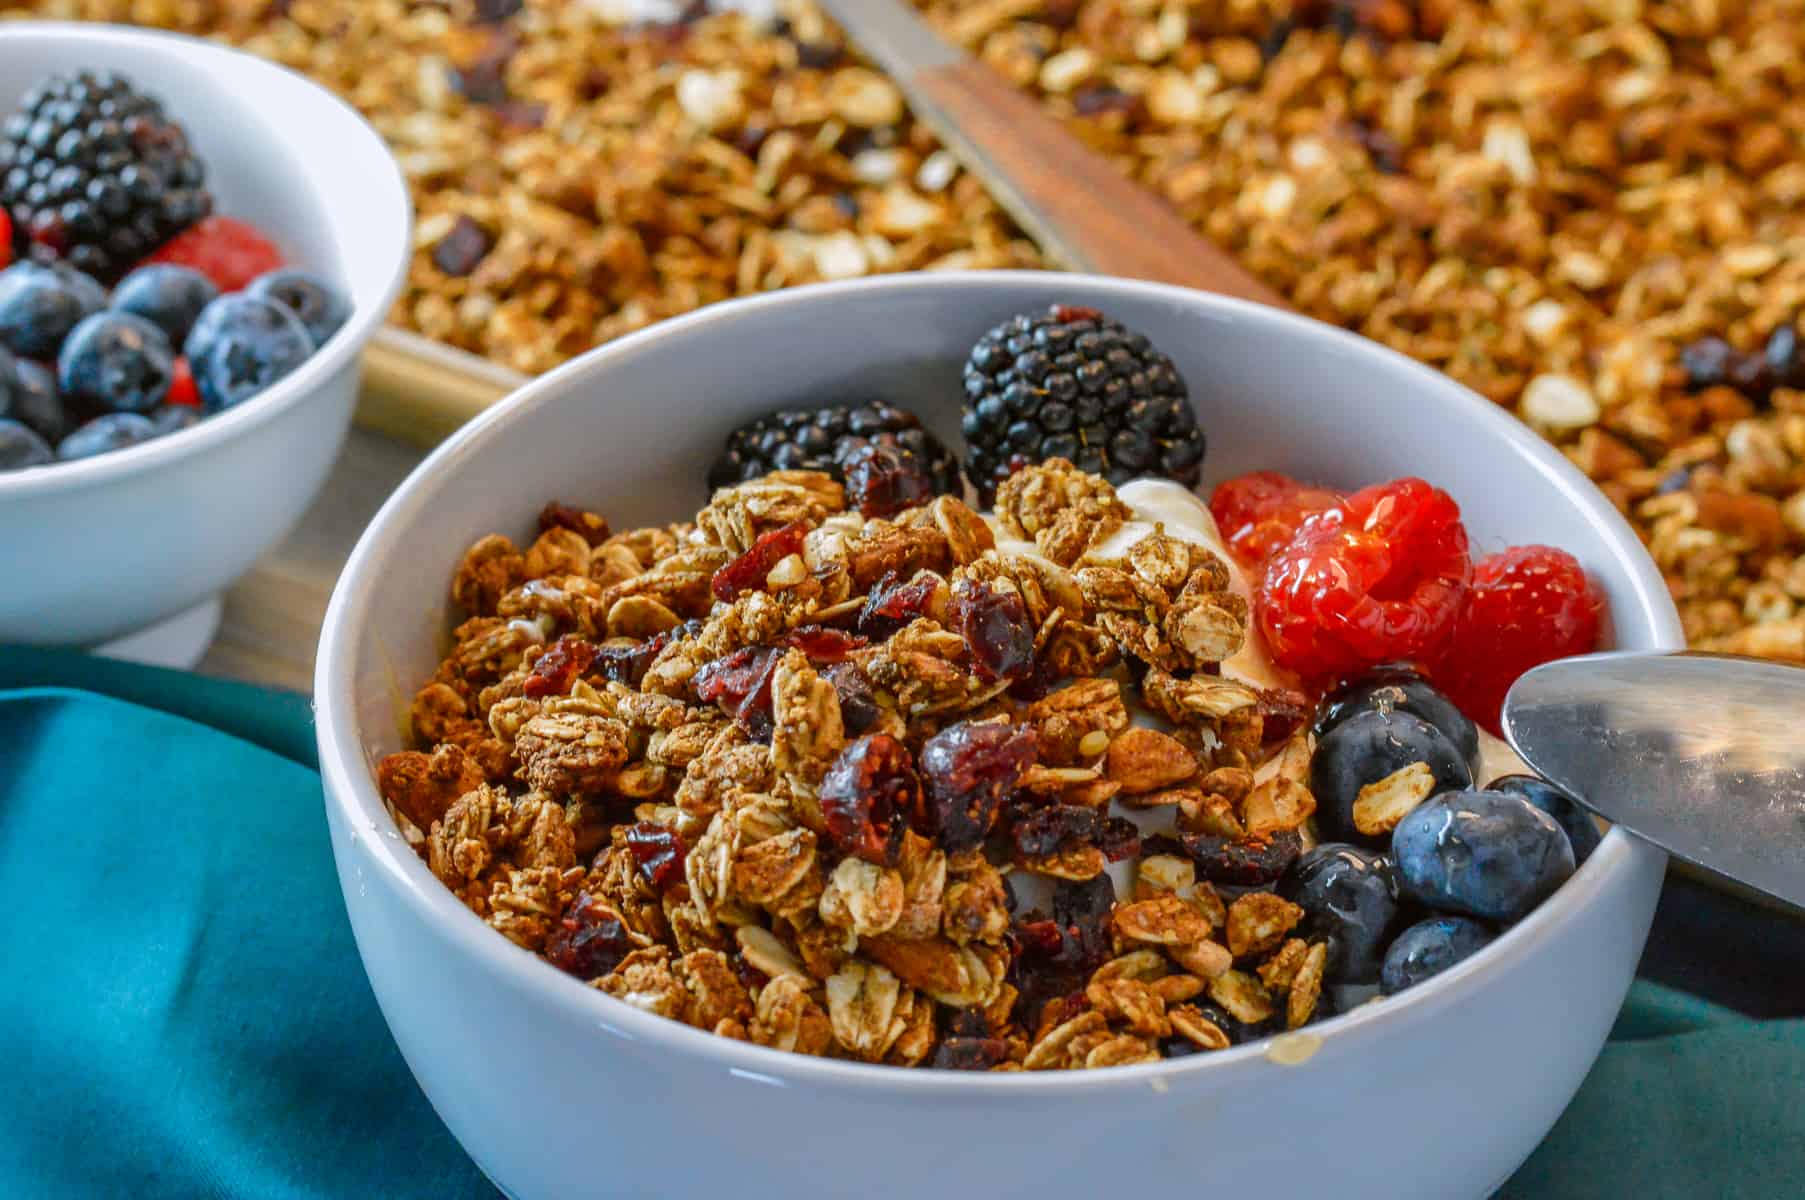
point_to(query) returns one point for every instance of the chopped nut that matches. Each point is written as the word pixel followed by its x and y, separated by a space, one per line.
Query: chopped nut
pixel 1144 760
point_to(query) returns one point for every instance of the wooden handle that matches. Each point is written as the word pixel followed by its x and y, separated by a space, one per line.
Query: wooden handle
pixel 1070 199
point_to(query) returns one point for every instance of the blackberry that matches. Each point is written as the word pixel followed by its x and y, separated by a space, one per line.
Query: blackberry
pixel 94 170
pixel 823 439
pixel 1072 383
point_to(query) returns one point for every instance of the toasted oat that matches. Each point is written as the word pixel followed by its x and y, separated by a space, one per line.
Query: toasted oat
pixel 1380 805
pixel 1259 921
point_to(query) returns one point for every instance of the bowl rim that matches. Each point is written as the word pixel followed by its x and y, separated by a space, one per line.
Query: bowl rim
pixel 351 794
pixel 343 346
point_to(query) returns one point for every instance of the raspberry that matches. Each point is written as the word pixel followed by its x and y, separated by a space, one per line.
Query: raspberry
pixel 230 253
pixel 1527 605
pixel 1376 578
pixel 1259 513
pixel 181 386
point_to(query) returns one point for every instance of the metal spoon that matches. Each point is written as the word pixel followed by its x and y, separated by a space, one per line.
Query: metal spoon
pixel 1701 754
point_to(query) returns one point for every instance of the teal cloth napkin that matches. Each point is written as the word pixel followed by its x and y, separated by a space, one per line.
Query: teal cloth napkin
pixel 184 1014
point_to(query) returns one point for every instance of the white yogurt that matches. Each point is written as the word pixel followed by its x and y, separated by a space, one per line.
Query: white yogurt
pixel 1187 518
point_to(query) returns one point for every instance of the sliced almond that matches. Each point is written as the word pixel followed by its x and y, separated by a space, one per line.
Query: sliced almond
pixel 1144 760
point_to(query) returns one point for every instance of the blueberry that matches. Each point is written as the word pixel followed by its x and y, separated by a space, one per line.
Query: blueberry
pixel 38 308
pixel 1399 689
pixel 1429 948
pixel 114 431
pixel 173 418
pixel 35 401
pixel 20 446
pixel 1492 855
pixel 168 296
pixel 1581 829
pixel 1350 898
pixel 116 361
pixel 240 346
pixel 1365 748
pixel 1237 1031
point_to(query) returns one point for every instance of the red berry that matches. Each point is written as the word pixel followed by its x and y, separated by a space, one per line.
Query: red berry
pixel 181 386
pixel 1376 578
pixel 230 253
pixel 1259 513
pixel 1527 605
pixel 6 238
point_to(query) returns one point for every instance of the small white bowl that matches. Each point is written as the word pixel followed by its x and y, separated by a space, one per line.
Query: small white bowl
pixel 96 548
pixel 559 1091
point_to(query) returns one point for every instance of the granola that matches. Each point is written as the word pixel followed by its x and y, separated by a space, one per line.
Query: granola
pixel 834 831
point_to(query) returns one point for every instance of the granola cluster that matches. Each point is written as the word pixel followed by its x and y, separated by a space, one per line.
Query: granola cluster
pixel 1554 201
pixel 855 785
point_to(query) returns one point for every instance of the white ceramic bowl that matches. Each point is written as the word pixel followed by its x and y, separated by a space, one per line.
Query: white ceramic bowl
pixel 559 1091
pixel 93 549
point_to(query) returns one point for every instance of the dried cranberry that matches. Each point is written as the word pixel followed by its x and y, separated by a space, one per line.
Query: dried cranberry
pixel 460 250
pixel 1706 362
pixel 1092 101
pixel 893 603
pixel 1248 862
pixel 520 114
pixel 968 1054
pixel 627 662
pixel 824 645
pixel 966 1023
pixel 658 852
pixel 1065 314
pixel 1282 713
pixel 485 79
pixel 969 769
pixel 1055 957
pixel 996 630
pixel 747 572
pixel 741 684
pixel 870 786
pixel 1751 375
pixel 1036 683
pixel 1119 839
pixel 593 528
pixel 590 941
pixel 558 667
pixel 1045 831
pixel 1785 353
pixel 1386 153
pixel 1040 936
pixel 858 707
pixel 818 56
pixel 883 480
pixel 749 975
